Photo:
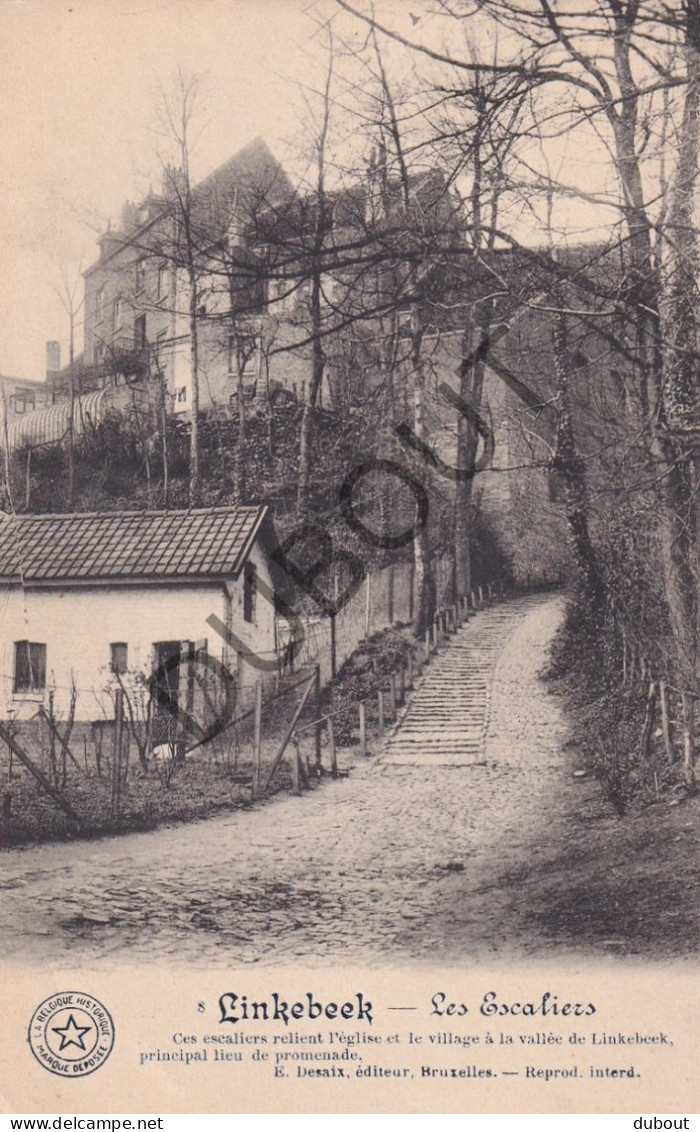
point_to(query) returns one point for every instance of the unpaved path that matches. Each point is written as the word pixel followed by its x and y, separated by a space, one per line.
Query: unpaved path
pixel 466 835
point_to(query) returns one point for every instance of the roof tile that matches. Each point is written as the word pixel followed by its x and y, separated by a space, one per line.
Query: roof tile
pixel 127 544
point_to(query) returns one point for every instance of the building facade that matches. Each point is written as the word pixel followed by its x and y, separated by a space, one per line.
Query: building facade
pixel 91 600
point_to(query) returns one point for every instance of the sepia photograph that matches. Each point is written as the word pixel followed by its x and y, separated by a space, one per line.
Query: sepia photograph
pixel 349 554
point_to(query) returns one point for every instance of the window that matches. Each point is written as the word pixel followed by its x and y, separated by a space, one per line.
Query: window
pixel 140 340
pixel 244 354
pixel 163 281
pixel 24 401
pixel 282 294
pixel 118 657
pixel 99 304
pixel 249 591
pixel 140 275
pixel 117 313
pixel 30 666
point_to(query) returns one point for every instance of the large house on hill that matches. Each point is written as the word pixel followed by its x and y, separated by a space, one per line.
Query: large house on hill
pixel 139 300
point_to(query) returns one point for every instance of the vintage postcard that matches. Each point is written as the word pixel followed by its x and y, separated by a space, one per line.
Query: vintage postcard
pixel 349 566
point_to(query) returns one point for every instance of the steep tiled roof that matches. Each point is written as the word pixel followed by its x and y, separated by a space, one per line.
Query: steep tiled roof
pixel 127 544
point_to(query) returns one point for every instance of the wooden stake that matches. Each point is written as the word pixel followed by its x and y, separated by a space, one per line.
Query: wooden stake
pixel 257 739
pixel 427 646
pixel 331 747
pixel 380 711
pixel 402 683
pixel 363 729
pixel 409 678
pixel 481 595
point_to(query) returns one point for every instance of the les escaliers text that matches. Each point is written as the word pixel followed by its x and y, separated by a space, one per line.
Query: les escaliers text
pixel 274 1008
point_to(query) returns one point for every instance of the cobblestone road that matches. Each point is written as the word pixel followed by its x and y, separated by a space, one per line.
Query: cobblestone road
pixel 416 853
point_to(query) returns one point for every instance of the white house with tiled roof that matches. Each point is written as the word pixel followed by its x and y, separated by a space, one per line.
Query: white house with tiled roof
pixel 88 598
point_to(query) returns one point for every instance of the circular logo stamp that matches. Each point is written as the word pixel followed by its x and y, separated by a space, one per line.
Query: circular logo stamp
pixel 71 1034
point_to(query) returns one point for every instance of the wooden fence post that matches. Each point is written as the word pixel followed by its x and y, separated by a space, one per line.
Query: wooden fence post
pixel 402 682
pixel 689 740
pixel 409 678
pixel 368 605
pixel 363 728
pixel 296 765
pixel 117 753
pixel 257 736
pixel 392 695
pixel 53 765
pixel 427 646
pixel 481 595
pixel 380 711
pixel 317 708
pixel 331 747
pixel 665 721
pixel 289 732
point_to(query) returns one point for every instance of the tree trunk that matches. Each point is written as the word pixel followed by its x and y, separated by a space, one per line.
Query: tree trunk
pixel 71 413
pixel 472 372
pixel 311 398
pixel 569 466
pixel 195 474
pixel 239 485
pixel 680 419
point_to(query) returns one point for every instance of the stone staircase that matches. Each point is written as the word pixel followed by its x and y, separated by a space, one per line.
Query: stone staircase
pixel 446 719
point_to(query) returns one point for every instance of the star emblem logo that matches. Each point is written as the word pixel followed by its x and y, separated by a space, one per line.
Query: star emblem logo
pixel 72 1034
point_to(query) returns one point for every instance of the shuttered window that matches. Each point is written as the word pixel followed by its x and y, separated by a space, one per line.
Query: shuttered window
pixel 249 590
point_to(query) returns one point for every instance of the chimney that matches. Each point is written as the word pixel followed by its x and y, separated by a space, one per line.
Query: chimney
pixel 53 359
pixel 109 241
pixel 130 214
